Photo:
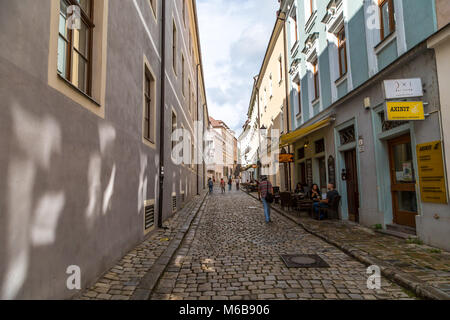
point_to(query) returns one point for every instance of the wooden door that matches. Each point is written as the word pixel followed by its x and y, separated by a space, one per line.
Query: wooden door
pixel 352 185
pixel 403 182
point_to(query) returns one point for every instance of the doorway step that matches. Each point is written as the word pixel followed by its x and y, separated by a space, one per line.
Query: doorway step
pixel 399 231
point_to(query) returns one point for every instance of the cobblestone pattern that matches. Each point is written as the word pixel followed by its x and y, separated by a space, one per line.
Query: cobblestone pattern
pixel 231 254
pixel 426 264
pixel 121 281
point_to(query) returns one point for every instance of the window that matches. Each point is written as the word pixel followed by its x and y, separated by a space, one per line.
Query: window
pixel 189 105
pixel 174 128
pixel 295 29
pixel 270 86
pixel 316 80
pixel 320 146
pixel 184 12
pixel 280 62
pixel 299 97
pixel 192 106
pixel 301 153
pixel 149 115
pixel 182 74
pixel 387 19
pixel 342 52
pixel 153 6
pixel 174 48
pixel 75 46
pixel 282 120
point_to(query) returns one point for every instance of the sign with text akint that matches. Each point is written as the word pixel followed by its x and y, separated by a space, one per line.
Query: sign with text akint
pixel 403 88
pixel 405 110
pixel 431 172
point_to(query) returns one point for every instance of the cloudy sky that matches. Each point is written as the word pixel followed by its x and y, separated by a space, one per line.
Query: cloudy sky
pixel 234 35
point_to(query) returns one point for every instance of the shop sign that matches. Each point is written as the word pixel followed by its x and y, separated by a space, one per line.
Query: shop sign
pixel 431 172
pixel 405 110
pixel 286 158
pixel 403 88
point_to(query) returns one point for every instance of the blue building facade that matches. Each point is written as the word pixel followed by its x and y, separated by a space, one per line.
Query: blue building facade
pixel 340 52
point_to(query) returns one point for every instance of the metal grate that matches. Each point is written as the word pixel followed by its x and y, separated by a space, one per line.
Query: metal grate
pixel 304 261
pixel 149 216
pixel 174 203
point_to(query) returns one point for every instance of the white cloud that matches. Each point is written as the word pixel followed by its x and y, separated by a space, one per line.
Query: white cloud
pixel 234 36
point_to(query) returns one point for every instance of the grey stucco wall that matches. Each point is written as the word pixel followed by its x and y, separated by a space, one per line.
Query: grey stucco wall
pixel 74 184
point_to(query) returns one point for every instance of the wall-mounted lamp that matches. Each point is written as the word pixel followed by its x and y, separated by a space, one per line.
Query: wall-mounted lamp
pixel 306 144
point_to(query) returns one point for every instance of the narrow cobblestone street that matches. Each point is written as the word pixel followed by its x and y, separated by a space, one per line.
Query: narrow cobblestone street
pixel 230 253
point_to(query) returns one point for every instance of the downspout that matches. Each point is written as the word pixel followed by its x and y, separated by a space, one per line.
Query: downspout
pixel 288 105
pixel 162 115
pixel 259 130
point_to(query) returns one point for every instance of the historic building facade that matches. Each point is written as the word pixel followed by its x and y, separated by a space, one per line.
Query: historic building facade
pixel 86 153
pixel 223 148
pixel 345 59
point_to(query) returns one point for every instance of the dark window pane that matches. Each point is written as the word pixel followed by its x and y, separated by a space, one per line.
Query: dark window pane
pixel 385 15
pixel 407 201
pixel 85 5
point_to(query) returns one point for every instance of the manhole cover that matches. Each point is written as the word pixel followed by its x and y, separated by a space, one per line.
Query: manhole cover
pixel 304 261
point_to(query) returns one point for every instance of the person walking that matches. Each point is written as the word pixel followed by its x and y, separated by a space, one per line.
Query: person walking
pixel 222 185
pixel 230 183
pixel 238 182
pixel 265 188
pixel 210 185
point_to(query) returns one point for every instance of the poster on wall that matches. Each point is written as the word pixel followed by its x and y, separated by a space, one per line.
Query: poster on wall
pixel 331 170
pixel 309 173
pixel 431 172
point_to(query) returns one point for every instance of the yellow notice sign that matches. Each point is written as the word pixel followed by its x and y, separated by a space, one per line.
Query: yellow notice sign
pixel 431 172
pixel 405 110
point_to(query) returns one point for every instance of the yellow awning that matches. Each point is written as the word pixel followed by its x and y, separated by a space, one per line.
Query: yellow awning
pixel 294 136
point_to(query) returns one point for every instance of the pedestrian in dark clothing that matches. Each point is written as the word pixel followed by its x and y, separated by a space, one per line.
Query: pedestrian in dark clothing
pixel 210 185
pixel 265 187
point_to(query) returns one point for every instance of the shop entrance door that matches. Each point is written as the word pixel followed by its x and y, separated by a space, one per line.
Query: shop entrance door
pixel 352 185
pixel 404 200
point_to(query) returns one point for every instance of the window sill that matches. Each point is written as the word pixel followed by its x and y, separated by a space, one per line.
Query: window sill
pixel 385 42
pixel 310 22
pixel 70 84
pixel 294 47
pixel 341 79
pixel 298 115
pixel 315 101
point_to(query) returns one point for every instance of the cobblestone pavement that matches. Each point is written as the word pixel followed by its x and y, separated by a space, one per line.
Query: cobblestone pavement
pixel 425 264
pixel 230 253
pixel 121 281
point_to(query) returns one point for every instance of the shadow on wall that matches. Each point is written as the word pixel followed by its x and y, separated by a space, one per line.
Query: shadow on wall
pixel 60 202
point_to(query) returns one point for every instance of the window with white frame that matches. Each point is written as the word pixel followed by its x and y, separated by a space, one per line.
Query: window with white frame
pixel 270 86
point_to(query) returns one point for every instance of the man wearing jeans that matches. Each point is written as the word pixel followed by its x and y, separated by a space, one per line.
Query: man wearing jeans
pixel 265 187
pixel 331 194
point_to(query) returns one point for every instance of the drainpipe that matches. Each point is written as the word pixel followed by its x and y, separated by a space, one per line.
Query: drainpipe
pixel 288 105
pixel 162 116
pixel 259 130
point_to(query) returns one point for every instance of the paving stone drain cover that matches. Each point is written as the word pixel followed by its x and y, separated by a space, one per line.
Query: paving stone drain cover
pixel 304 261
